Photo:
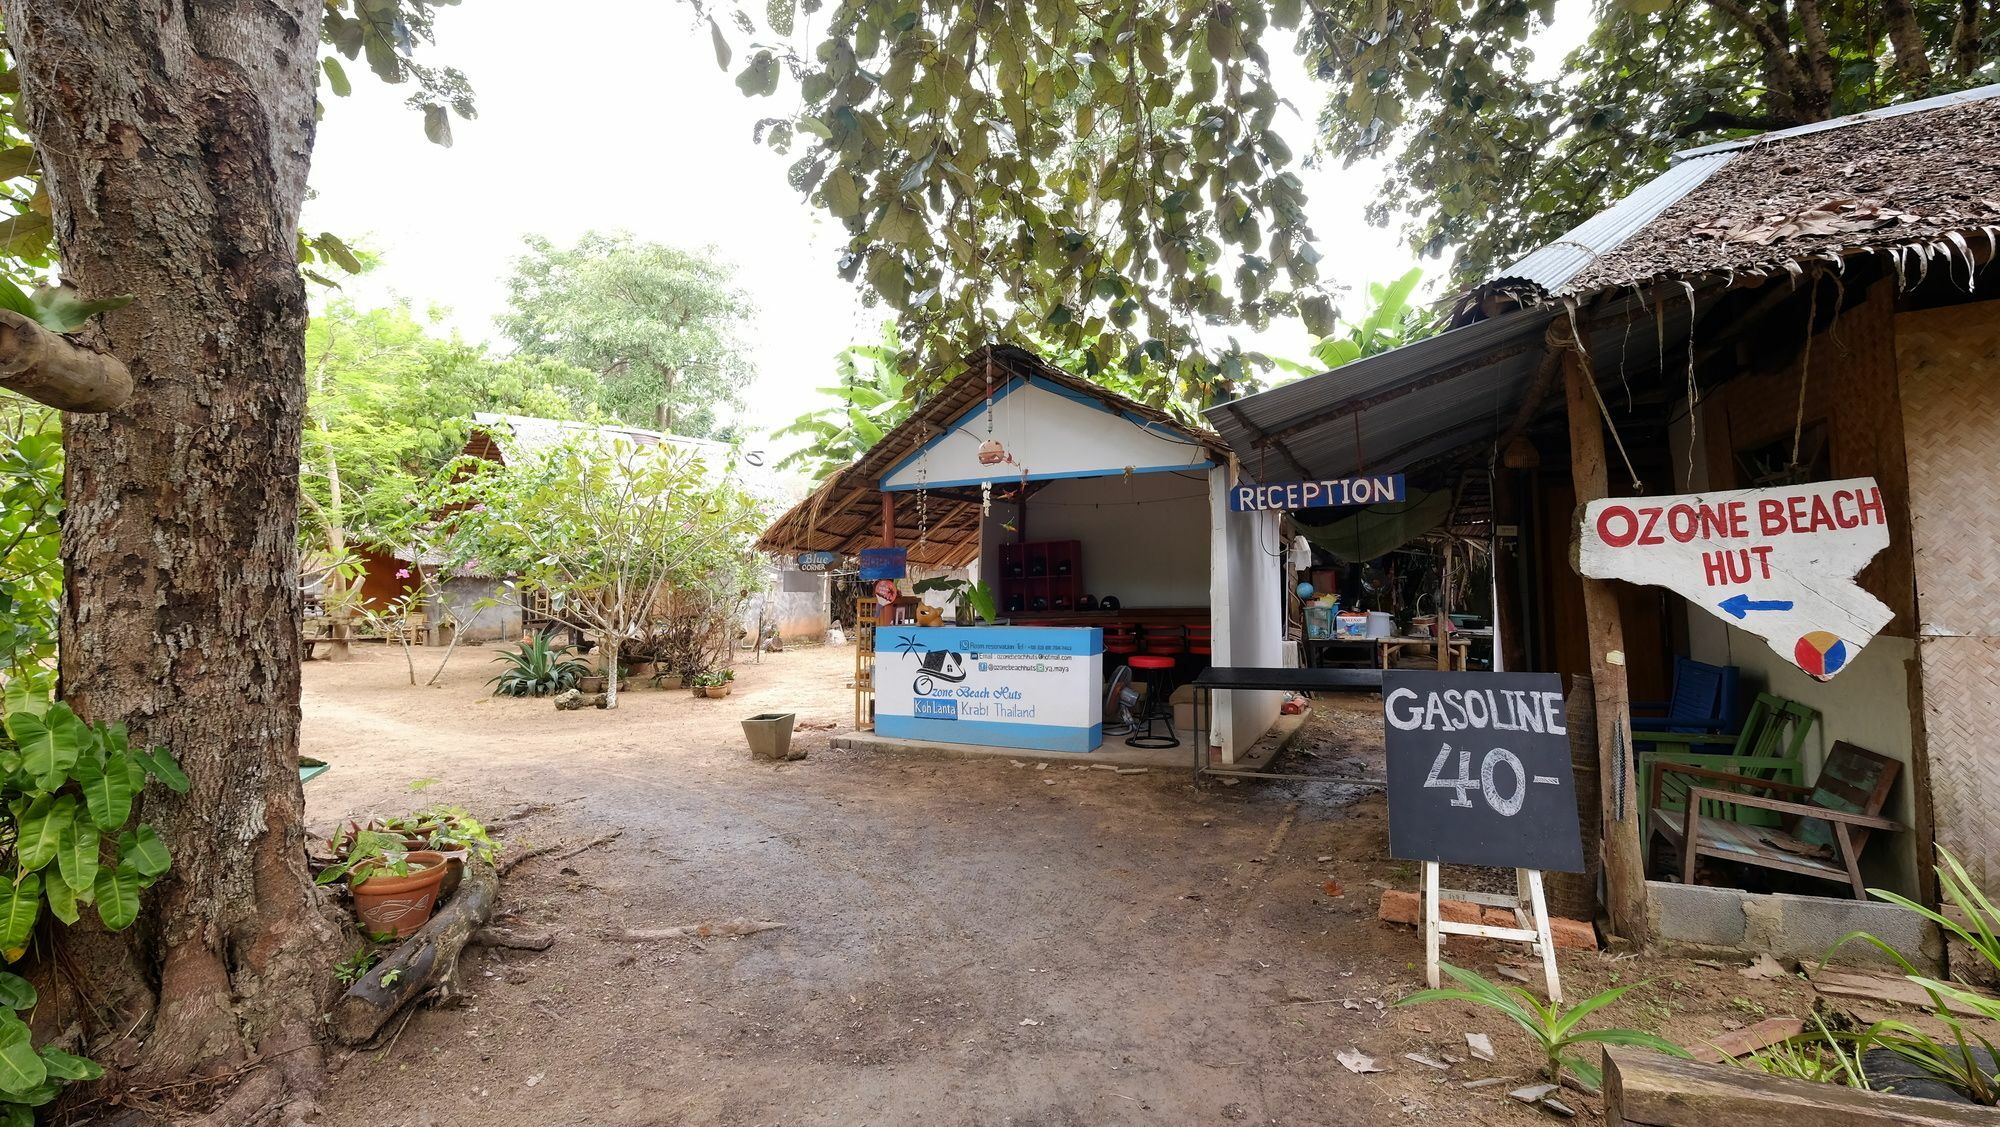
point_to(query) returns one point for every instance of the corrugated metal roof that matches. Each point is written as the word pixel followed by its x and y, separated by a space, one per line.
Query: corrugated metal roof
pixel 1455 391
pixel 1551 267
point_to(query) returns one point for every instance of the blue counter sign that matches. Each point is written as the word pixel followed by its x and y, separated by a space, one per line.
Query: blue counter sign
pixel 1325 493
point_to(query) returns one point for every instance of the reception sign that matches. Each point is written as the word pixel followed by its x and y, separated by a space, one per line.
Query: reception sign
pixel 1040 688
pixel 1325 493
pixel 1778 563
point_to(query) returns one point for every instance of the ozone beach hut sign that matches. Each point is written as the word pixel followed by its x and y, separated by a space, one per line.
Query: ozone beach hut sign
pixel 1325 493
pixel 1778 562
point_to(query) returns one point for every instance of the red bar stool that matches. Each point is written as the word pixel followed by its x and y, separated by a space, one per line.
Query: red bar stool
pixel 1121 639
pixel 1166 641
pixel 1199 641
pixel 1158 670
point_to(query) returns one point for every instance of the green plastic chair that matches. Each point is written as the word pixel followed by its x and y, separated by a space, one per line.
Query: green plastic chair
pixel 1770 746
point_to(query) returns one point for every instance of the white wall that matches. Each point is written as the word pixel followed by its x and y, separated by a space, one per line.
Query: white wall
pixel 1047 433
pixel 1145 538
pixel 1247 609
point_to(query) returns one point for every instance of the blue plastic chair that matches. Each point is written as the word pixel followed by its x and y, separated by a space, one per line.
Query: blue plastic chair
pixel 1704 700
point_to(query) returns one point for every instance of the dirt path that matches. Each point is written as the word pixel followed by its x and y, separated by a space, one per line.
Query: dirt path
pixel 966 941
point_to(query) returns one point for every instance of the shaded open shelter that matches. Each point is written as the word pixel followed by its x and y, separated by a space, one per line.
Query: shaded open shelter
pixel 1082 510
pixel 1805 306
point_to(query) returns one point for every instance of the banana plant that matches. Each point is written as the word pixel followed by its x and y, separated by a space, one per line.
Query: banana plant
pixel 871 399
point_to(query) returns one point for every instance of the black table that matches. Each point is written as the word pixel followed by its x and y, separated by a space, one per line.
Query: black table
pixel 1279 680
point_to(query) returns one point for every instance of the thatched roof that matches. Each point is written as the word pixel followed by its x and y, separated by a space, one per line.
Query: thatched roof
pixel 845 514
pixel 1918 183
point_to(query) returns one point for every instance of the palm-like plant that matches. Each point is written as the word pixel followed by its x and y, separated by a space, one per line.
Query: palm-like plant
pixel 536 668
pixel 870 400
pixel 1552 1025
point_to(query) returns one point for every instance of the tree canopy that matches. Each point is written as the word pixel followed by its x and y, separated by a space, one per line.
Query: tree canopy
pixel 660 326
pixel 1489 157
pixel 1102 175
pixel 388 402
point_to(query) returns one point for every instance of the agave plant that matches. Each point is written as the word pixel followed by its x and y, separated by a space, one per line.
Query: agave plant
pixel 1552 1025
pixel 536 668
pixel 1963 1056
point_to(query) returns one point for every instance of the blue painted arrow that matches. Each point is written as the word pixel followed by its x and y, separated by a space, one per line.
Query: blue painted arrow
pixel 1742 605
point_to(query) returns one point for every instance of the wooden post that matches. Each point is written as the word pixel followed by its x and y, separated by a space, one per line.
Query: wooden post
pixel 1624 863
pixel 888 519
pixel 1442 630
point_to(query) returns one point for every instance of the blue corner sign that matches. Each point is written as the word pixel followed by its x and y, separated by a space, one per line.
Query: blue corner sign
pixel 884 563
pixel 1325 493
pixel 817 561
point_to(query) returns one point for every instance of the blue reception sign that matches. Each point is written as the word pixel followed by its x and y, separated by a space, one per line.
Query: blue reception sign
pixel 1000 686
pixel 884 563
pixel 1325 493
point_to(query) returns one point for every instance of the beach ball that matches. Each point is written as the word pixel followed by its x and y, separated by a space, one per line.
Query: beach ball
pixel 1305 590
pixel 1820 653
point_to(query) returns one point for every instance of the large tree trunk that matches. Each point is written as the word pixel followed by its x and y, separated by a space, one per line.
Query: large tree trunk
pixel 174 140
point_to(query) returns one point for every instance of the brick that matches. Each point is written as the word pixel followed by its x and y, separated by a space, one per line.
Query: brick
pixel 1399 907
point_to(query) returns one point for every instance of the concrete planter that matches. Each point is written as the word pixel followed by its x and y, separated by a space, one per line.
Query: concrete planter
pixel 770 734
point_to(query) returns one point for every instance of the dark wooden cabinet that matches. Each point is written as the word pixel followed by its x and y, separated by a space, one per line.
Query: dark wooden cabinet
pixel 1041 576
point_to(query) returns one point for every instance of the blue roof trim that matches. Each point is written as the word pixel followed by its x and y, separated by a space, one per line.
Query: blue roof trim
pixel 1002 479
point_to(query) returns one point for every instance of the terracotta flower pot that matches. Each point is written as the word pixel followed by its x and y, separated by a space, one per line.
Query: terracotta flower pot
pixel 673 680
pixel 396 906
pixel 640 670
pixel 589 685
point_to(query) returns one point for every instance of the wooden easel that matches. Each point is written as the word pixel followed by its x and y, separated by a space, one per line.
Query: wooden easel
pixel 1531 913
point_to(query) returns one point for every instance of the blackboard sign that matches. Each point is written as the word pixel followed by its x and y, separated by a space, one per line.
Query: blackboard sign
pixel 1479 770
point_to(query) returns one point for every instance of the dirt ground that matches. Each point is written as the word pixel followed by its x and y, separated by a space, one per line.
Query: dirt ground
pixel 965 941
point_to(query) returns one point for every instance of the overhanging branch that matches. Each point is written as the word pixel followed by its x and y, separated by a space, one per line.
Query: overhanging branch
pixel 49 368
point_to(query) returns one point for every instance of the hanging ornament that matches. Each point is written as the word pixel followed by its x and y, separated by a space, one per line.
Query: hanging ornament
pixel 986 498
pixel 991 453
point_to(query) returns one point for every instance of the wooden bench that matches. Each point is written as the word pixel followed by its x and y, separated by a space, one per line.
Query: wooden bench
pixel 1822 828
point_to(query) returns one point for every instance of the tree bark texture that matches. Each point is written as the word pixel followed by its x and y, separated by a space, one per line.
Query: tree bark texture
pixel 175 139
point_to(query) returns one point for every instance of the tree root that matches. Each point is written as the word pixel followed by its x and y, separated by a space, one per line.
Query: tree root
pixel 507 866
pixel 426 963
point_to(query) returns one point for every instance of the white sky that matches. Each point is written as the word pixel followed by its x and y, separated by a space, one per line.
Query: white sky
pixel 619 118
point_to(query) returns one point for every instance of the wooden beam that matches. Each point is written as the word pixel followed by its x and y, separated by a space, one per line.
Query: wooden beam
pixel 1643 1089
pixel 1618 781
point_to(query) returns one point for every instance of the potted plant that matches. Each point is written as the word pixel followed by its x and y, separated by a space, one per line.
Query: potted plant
pixel 714 683
pixel 964 596
pixel 395 889
pixel 458 837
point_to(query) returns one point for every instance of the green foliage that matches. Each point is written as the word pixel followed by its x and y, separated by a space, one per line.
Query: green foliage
pixel 1490 154
pixel 389 401
pixel 1389 321
pixel 30 564
pixel 371 852
pixel 355 967
pixel 1100 175
pixel 453 827
pixel 712 679
pixel 388 35
pixel 68 790
pixel 1552 1025
pixel 56 308
pixel 979 595
pixel 1818 1057
pixel 638 544
pixel 536 668
pixel 871 399
pixel 660 326
pixel 1975 922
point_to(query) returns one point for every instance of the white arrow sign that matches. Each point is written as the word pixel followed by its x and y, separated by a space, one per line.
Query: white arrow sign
pixel 1779 563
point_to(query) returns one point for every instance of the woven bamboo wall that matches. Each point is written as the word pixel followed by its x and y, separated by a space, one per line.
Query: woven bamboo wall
pixel 1949 361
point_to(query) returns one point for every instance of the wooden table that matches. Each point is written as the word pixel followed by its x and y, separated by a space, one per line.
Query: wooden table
pixel 1386 649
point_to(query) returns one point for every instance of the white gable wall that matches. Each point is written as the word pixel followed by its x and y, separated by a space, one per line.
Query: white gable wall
pixel 1051 433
